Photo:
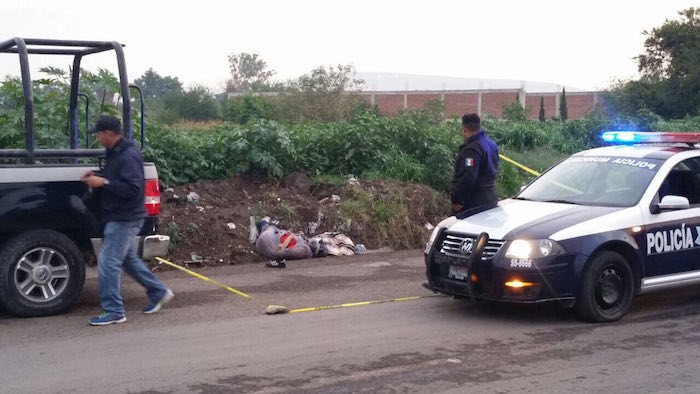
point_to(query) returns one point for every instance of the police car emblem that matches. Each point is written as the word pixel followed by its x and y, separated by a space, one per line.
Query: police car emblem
pixel 466 246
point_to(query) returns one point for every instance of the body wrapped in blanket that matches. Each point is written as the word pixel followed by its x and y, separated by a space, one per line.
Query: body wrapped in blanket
pixel 277 244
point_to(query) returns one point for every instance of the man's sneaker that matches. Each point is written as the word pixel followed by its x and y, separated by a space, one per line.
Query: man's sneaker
pixel 276 264
pixel 107 318
pixel 155 306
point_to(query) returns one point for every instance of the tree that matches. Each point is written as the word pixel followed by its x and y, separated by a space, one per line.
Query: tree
pixel 672 59
pixel 196 104
pixel 324 94
pixel 248 73
pixel 156 87
pixel 542 118
pixel 563 110
pixel 243 109
pixel 628 98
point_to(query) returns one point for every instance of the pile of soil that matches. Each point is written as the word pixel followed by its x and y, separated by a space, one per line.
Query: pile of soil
pixel 208 221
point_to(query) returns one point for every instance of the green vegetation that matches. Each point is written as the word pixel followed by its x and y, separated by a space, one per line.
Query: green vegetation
pixel 317 124
pixel 410 147
pixel 248 73
pixel 563 108
pixel 670 68
pixel 374 212
pixel 541 115
pixel 175 236
pixel 514 111
pixel 417 147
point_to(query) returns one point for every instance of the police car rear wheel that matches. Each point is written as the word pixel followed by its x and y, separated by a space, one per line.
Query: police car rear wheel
pixel 606 292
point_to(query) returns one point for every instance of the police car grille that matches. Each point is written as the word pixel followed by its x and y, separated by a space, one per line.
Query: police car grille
pixel 452 242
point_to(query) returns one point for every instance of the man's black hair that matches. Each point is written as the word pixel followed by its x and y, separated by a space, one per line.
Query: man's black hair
pixel 108 123
pixel 471 122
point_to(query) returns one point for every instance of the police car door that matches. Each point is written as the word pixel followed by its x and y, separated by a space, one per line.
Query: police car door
pixel 671 239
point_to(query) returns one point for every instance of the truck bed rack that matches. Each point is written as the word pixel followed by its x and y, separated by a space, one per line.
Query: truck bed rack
pixel 26 46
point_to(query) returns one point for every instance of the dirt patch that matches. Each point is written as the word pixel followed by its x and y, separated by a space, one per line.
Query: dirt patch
pixel 213 225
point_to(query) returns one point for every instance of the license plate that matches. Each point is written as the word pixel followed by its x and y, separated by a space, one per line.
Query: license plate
pixel 458 272
pixel 442 259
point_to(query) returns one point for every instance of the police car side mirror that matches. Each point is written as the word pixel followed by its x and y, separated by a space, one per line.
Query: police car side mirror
pixel 671 202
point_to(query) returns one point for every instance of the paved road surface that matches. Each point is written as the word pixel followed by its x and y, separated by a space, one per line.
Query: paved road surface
pixel 208 340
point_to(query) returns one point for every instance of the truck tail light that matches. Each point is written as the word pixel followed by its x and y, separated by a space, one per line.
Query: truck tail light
pixel 152 197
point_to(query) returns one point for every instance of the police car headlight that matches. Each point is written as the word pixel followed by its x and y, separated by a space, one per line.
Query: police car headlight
pixel 532 249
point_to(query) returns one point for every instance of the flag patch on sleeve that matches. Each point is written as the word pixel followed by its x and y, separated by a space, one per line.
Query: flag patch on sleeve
pixel 469 162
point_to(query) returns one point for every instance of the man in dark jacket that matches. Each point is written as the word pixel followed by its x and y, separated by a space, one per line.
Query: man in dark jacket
pixel 123 212
pixel 475 169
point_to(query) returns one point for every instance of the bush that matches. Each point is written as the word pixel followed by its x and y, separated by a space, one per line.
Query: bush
pixel 411 147
pixel 261 148
pixel 195 104
pixel 518 135
pixel 514 111
pixel 246 108
pixel 400 166
pixel 415 146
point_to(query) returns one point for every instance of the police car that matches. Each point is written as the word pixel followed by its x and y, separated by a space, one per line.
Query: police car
pixel 593 231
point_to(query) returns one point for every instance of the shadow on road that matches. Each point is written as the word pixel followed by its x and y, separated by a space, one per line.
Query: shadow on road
pixel 659 306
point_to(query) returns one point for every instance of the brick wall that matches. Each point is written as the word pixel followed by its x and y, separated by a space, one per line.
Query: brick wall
pixel 389 104
pixel 461 103
pixel 418 100
pixel 578 105
pixel 532 103
pixel 483 102
pixel 492 102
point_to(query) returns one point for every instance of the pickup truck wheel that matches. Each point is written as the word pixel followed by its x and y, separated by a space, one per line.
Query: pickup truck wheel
pixel 607 289
pixel 41 273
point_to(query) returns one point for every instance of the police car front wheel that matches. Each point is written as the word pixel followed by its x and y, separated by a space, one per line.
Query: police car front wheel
pixel 607 289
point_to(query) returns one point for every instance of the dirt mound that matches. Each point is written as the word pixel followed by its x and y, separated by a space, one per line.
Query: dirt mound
pixel 208 221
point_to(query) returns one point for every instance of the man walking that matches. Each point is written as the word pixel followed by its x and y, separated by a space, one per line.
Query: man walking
pixel 123 212
pixel 475 169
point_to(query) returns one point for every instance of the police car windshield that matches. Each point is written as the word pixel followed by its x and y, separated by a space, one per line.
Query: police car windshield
pixel 594 180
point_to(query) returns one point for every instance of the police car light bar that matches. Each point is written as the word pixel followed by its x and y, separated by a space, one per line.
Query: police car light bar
pixel 640 137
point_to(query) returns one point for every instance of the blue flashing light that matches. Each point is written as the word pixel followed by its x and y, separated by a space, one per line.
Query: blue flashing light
pixel 627 136
pixel 632 137
pixel 621 136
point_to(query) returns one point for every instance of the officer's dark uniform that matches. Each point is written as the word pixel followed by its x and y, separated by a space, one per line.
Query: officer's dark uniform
pixel 475 172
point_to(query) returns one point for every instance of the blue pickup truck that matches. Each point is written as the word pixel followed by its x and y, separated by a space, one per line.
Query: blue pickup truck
pixel 50 221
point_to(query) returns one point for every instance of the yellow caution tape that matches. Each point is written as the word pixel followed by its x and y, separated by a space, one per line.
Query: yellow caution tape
pixel 204 278
pixel 284 309
pixel 535 173
pixel 361 303
pixel 515 163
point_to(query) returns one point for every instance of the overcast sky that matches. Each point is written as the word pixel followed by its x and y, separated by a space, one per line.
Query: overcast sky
pixel 585 44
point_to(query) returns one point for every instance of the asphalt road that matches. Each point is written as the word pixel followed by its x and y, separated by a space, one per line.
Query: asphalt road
pixel 211 341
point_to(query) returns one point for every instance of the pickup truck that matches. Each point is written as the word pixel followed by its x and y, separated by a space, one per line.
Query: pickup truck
pixel 50 221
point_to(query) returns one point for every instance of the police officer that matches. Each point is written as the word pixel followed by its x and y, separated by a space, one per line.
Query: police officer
pixel 475 169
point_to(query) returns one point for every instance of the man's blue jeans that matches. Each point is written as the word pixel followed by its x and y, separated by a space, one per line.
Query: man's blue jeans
pixel 116 250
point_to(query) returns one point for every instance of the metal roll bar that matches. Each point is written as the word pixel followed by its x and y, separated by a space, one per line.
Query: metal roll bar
pixel 78 49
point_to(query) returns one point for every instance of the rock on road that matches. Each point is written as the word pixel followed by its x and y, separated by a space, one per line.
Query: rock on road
pixel 211 341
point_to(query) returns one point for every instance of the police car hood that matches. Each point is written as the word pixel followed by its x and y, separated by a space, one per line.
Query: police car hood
pixel 528 219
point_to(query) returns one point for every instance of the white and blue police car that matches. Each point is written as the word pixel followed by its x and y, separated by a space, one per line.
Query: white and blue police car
pixel 592 232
